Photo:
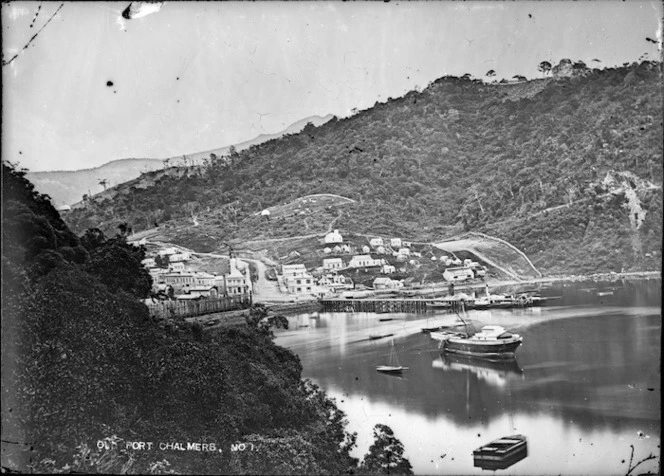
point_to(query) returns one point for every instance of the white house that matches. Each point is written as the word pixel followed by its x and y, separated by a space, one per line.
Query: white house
pixel 480 271
pixel 203 291
pixel 375 242
pixel 366 249
pixel 457 262
pixel 345 248
pixel 388 269
pixel 179 257
pixel 386 283
pixel 335 281
pixel 458 274
pixel 292 270
pixel 407 244
pixel 180 281
pixel 404 251
pixel 236 282
pixel 327 250
pixel 168 251
pixel 179 266
pixel 334 237
pixel 363 261
pixel 302 284
pixel 380 250
pixel 149 263
pixel 204 279
pixel 333 263
pixel 157 274
pixel 395 242
pixel 337 249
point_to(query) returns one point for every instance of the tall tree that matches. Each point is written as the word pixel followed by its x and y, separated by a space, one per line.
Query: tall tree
pixel 544 67
pixel 385 455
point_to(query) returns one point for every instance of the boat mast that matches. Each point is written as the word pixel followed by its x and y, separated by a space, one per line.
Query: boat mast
pixel 394 358
pixel 462 320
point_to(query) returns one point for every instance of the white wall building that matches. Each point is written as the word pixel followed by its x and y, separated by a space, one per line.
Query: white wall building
pixel 388 269
pixel 333 263
pixel 178 267
pixel 149 263
pixel 386 283
pixel 335 282
pixel 303 284
pixel 293 270
pixel 395 243
pixel 364 261
pixel 375 242
pixel 179 257
pixel 334 237
pixel 458 274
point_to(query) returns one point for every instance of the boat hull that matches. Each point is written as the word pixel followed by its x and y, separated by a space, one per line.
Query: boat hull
pixel 390 369
pixel 379 336
pixel 489 349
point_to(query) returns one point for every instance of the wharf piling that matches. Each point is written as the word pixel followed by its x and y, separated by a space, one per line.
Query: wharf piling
pixel 390 305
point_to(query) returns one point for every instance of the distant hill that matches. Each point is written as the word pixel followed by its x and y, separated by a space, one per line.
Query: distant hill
pixel 567 168
pixel 68 186
pixel 197 157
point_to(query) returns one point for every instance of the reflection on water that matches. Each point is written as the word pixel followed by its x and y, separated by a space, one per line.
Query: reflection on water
pixel 583 385
pixel 493 372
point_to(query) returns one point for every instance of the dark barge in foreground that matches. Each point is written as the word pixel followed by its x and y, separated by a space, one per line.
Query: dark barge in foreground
pixel 501 453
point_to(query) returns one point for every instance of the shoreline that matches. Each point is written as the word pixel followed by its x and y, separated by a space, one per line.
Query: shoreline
pixel 583 277
pixel 300 300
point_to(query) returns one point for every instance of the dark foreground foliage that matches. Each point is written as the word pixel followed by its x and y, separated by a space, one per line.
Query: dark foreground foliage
pixel 87 375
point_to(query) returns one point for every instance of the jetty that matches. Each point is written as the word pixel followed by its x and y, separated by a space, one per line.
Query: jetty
pixel 447 304
pixel 381 306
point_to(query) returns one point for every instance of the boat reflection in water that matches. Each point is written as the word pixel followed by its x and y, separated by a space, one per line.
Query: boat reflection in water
pixel 494 372
pixel 501 453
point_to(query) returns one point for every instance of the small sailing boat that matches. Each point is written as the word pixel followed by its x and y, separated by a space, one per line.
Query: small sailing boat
pixel 379 336
pixel 393 367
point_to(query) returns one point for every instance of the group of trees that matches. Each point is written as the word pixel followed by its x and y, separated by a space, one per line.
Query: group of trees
pixel 459 153
pixel 86 369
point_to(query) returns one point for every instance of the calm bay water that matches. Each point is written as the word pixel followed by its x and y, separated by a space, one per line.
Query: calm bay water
pixel 585 384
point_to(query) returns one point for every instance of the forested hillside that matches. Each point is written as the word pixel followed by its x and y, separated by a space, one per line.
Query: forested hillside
pixel 569 169
pixel 86 371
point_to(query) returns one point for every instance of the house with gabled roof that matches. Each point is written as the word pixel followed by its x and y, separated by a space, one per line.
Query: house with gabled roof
pixel 375 242
pixel 334 237
pixel 458 274
pixel 333 263
pixel 364 261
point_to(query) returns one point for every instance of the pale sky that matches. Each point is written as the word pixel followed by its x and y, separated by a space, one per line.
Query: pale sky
pixel 201 75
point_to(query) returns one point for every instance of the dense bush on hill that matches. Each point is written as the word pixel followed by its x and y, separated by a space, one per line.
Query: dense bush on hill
pixel 458 154
pixel 85 370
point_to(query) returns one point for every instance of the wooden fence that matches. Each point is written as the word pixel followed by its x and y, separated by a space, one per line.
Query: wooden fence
pixel 172 309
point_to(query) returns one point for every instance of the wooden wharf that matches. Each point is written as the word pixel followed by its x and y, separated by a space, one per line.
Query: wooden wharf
pixel 389 305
